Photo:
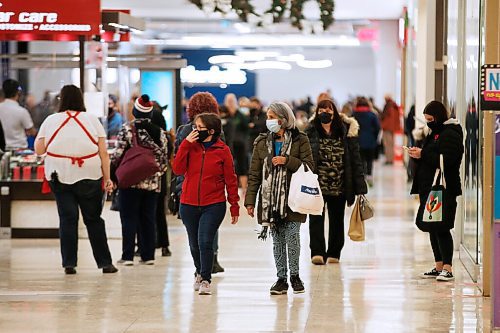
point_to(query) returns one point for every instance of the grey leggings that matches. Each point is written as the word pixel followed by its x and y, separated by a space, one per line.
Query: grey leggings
pixel 287 238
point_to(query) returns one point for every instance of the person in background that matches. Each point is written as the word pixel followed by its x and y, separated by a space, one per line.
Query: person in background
pixel 347 109
pixel 257 121
pixel 276 156
pixel 323 96
pixel 16 120
pixel 207 164
pixel 391 124
pixel 335 147
pixel 369 128
pixel 244 105
pixel 162 239
pixel 138 203
pixel 43 110
pixel 76 173
pixel 409 127
pixel 306 106
pixel 201 102
pixel 446 139
pixel 30 103
pixel 115 119
pixel 240 140
pixel 302 120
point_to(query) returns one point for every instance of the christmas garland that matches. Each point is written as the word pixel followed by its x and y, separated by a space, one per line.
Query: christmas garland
pixel 244 8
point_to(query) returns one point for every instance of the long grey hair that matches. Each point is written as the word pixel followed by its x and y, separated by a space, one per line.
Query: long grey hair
pixel 284 113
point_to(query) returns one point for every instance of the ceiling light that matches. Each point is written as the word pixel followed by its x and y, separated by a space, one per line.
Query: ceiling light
pixel 291 58
pixel 266 65
pixel 225 58
pixel 314 63
pixel 256 55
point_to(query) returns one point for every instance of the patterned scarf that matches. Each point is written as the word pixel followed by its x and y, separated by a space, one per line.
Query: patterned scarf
pixel 274 183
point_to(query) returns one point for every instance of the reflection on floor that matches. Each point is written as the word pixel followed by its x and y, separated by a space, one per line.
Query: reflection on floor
pixel 375 288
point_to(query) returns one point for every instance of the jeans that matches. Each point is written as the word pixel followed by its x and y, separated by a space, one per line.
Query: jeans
pixel 442 246
pixel 87 196
pixel 202 224
pixel 287 238
pixel 336 209
pixel 138 210
pixel 216 239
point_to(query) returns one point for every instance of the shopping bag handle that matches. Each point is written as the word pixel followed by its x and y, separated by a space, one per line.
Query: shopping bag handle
pixel 440 171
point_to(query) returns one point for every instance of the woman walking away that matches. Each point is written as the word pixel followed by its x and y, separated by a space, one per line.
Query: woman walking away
pixel 446 140
pixel 207 165
pixel 138 202
pixel 276 156
pixel 335 146
pixel 77 166
pixel 369 128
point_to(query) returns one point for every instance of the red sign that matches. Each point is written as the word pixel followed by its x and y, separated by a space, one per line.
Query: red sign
pixel 49 19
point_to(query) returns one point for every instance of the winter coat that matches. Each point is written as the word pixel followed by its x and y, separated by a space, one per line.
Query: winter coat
pixel 449 143
pixel 369 127
pixel 354 179
pixel 208 173
pixel 300 153
pixel 391 121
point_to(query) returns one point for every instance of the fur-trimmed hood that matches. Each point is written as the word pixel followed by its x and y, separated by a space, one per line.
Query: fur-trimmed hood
pixel 352 124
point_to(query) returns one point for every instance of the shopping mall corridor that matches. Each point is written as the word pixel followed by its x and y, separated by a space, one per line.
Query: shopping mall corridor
pixel 375 288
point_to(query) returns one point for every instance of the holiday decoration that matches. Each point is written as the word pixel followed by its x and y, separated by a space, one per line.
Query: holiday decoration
pixel 244 9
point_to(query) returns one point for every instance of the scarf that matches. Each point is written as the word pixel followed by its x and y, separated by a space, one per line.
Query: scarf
pixel 274 184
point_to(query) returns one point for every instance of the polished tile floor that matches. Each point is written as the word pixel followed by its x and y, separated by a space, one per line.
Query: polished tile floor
pixel 375 288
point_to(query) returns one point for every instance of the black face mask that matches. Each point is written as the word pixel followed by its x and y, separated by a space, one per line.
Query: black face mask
pixel 435 126
pixel 203 135
pixel 325 117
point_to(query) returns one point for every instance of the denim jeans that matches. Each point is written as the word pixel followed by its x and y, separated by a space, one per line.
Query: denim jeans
pixel 202 224
pixel 87 196
pixel 216 239
pixel 138 210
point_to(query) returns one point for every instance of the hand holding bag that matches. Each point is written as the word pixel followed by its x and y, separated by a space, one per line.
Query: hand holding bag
pixel 365 208
pixel 356 226
pixel 138 164
pixel 305 193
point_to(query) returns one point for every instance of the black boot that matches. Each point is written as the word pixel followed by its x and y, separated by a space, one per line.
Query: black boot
pixel 217 268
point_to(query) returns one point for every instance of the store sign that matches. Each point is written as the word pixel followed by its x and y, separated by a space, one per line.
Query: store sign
pixel 49 20
pixel 490 87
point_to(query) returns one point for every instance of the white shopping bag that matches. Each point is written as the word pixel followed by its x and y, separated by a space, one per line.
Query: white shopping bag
pixel 305 194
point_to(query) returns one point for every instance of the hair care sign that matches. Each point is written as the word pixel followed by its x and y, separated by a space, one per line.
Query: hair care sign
pixel 49 20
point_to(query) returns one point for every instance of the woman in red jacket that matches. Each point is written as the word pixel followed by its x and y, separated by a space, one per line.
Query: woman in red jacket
pixel 207 164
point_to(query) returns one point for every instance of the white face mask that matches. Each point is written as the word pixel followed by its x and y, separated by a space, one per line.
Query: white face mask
pixel 273 125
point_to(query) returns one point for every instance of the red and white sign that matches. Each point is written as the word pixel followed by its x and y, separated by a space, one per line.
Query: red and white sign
pixel 49 19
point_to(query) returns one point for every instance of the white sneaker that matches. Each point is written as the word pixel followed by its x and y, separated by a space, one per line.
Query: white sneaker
pixel 445 276
pixel 205 288
pixel 125 262
pixel 147 262
pixel 197 282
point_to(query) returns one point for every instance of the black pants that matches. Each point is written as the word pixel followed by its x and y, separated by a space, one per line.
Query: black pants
pixel 367 156
pixel 336 208
pixel 161 219
pixel 86 195
pixel 138 211
pixel 442 246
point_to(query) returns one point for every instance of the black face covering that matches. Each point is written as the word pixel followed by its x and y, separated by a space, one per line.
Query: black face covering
pixel 435 126
pixel 325 117
pixel 203 135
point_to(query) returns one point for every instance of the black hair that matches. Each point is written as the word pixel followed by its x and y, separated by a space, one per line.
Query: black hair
pixel 71 99
pixel 11 88
pixel 437 110
pixel 337 127
pixel 211 122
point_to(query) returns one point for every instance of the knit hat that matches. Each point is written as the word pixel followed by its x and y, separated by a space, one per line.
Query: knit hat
pixel 143 104
pixel 437 110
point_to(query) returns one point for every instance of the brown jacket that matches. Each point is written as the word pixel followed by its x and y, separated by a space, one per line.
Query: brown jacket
pixel 391 120
pixel 300 153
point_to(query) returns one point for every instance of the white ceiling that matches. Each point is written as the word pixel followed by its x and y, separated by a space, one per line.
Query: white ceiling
pixel 183 10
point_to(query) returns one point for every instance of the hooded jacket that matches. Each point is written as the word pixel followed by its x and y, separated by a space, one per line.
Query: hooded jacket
pixel 354 179
pixel 369 127
pixel 208 174
pixel 449 143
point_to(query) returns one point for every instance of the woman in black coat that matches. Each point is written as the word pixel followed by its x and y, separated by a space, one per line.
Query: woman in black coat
pixel 335 146
pixel 446 139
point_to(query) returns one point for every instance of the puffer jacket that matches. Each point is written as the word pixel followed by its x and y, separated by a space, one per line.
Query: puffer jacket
pixel 354 179
pixel 449 143
pixel 300 153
